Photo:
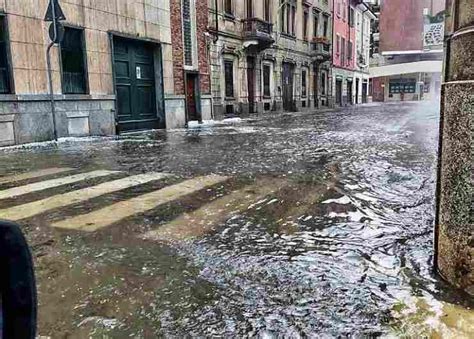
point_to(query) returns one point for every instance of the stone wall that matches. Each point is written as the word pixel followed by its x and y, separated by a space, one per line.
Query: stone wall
pixel 454 223
pixel 25 112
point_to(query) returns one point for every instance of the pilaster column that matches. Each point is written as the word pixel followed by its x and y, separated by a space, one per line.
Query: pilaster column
pixel 454 236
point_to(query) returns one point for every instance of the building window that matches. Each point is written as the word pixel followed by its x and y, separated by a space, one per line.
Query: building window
pixel 323 84
pixel 4 63
pixel 338 44
pixel 343 50
pixel 288 16
pixel 266 81
pixel 228 7
pixel 315 24
pixel 325 25
pixel 349 50
pixel 73 61
pixel 266 11
pixel 249 8
pixel 188 30
pixel 305 25
pixel 351 17
pixel 229 78
pixel 304 89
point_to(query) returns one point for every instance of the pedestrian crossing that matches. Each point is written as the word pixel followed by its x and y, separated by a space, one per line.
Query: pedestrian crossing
pixel 33 174
pixel 208 217
pixel 121 210
pixel 62 200
pixel 196 223
pixel 43 185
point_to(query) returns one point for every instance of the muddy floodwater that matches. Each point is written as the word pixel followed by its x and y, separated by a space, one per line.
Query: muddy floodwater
pixel 291 225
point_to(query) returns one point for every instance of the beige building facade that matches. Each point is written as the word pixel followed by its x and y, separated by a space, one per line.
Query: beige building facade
pixel 112 72
pixel 270 55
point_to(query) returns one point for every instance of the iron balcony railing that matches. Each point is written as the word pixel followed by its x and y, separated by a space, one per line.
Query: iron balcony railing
pixel 321 48
pixel 255 28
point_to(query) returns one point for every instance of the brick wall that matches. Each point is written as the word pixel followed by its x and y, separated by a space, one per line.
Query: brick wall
pixel 202 18
pixel 177 39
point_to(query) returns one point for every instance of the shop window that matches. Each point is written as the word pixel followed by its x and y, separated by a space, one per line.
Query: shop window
pixel 73 61
pixel 229 78
pixel 4 61
pixel 397 86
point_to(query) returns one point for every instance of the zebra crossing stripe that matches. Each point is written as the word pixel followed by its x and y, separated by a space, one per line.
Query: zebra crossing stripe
pixel 111 214
pixel 37 207
pixel 33 175
pixel 210 216
pixel 42 185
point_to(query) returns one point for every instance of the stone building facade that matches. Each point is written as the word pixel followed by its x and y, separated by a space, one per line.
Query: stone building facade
pixel 270 55
pixel 119 68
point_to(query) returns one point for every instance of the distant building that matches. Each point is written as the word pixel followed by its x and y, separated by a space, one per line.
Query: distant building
pixel 270 55
pixel 351 38
pixel 409 60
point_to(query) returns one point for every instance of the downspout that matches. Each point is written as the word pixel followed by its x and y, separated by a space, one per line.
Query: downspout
pixel 216 37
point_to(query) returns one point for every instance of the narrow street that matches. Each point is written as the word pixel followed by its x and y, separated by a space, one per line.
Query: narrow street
pixel 296 224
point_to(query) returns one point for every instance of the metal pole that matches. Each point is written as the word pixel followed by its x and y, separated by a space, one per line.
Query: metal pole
pixel 50 75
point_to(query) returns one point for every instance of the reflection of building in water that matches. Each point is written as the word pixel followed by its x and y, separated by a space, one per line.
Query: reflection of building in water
pixel 408 62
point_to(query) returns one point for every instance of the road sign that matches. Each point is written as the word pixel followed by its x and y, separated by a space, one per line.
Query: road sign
pixel 58 37
pixel 59 14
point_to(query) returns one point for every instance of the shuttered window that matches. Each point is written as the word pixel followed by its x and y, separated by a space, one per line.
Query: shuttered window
pixel 73 62
pixel 229 78
pixel 4 63
pixel 187 33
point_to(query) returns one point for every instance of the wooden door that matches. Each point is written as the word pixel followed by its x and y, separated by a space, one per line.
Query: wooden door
pixel 135 85
pixel 192 97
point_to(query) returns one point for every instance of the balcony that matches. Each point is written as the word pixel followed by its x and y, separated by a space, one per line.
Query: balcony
pixel 320 49
pixel 257 33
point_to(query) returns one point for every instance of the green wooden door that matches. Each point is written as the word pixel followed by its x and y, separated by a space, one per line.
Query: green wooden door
pixel 135 85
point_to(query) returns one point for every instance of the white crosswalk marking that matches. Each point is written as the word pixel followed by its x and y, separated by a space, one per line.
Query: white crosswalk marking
pixel 109 215
pixel 33 175
pixel 211 215
pixel 37 207
pixel 40 186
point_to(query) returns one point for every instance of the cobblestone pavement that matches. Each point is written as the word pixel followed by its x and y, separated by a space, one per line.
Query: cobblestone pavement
pixel 298 224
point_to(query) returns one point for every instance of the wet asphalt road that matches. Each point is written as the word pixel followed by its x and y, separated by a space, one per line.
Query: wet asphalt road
pixel 318 224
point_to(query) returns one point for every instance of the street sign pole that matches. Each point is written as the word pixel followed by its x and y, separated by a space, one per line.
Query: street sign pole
pixel 50 72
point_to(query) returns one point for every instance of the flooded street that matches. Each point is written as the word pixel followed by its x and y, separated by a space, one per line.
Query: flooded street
pixel 292 225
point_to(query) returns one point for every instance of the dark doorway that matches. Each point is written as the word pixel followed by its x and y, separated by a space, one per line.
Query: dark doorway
pixel 364 92
pixel 193 97
pixel 357 91
pixel 349 92
pixel 339 92
pixel 251 83
pixel 135 85
pixel 287 79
